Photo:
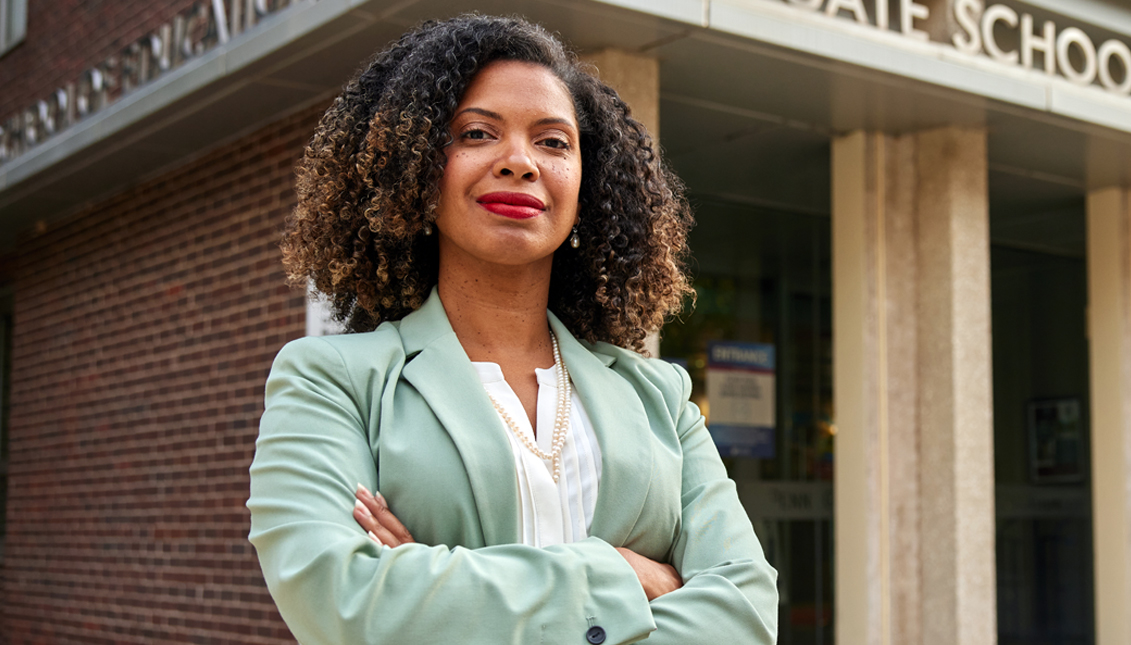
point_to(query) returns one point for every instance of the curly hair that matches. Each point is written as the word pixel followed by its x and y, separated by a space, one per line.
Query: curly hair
pixel 368 186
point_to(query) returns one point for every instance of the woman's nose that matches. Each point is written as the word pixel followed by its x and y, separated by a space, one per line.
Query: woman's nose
pixel 517 160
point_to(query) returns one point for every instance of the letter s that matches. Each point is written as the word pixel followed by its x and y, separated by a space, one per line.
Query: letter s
pixel 966 12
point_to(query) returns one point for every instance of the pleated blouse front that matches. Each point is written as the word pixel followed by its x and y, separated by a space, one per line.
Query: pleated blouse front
pixel 551 513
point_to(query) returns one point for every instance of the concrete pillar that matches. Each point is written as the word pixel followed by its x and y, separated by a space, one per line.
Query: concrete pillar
pixel 914 482
pixel 874 340
pixel 1109 337
pixel 956 404
pixel 636 79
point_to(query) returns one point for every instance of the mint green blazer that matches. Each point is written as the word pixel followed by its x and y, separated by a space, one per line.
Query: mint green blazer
pixel 401 409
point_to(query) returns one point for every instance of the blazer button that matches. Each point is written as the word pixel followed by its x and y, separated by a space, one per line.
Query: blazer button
pixel 595 635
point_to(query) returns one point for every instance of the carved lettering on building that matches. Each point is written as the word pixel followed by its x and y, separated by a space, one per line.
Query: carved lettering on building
pixel 998 31
pixel 187 35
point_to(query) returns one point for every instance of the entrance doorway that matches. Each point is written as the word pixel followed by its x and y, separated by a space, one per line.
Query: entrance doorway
pixel 1042 425
pixel 763 284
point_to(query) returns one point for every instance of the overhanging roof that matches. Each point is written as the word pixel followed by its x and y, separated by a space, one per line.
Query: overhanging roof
pixel 749 64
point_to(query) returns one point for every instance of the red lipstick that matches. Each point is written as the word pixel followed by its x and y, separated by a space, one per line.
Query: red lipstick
pixel 512 205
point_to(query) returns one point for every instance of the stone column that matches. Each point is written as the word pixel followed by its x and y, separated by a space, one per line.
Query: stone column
pixel 914 485
pixel 874 335
pixel 956 396
pixel 1109 337
pixel 636 79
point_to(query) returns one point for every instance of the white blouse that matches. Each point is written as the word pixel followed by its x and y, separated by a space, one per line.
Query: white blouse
pixel 551 513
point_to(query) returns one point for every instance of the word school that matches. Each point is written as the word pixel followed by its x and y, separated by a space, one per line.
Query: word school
pixel 1000 32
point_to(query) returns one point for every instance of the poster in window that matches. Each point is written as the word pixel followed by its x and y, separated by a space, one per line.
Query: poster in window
pixel 1056 443
pixel 741 395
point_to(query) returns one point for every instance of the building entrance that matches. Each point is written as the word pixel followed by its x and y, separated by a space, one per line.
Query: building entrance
pixel 1042 426
pixel 758 346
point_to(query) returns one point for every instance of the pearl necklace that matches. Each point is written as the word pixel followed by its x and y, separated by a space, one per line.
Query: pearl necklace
pixel 561 417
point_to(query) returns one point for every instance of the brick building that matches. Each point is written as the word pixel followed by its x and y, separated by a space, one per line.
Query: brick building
pixel 941 185
pixel 145 320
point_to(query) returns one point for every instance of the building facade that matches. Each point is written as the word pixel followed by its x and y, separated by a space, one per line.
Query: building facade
pixel 913 266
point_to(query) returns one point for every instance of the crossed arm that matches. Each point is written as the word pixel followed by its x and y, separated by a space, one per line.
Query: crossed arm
pixel 334 585
pixel 375 518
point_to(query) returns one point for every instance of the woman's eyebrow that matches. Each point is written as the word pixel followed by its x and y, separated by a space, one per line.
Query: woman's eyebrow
pixel 554 120
pixel 487 113
pixel 498 117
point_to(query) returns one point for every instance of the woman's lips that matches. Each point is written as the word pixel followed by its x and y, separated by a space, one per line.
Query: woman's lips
pixel 512 205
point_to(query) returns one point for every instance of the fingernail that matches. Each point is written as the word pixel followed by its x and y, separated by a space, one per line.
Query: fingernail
pixel 363 489
pixel 375 538
pixel 380 499
pixel 363 508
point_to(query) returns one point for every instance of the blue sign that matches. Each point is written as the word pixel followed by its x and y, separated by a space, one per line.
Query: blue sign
pixel 741 398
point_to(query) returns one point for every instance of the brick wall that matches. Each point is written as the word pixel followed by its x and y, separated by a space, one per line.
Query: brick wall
pixel 67 37
pixel 144 330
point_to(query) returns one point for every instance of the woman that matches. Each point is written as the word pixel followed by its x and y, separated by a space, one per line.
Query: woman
pixel 491 218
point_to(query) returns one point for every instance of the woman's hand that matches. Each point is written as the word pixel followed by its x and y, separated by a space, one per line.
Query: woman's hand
pixel 656 578
pixel 375 518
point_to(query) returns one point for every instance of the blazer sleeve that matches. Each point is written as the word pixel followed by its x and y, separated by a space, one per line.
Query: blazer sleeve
pixel 335 586
pixel 730 592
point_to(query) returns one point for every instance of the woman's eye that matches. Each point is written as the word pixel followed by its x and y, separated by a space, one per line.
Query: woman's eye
pixel 475 135
pixel 553 142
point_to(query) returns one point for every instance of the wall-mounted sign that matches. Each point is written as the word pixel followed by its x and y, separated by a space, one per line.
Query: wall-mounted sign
pixel 740 394
pixel 187 35
pixel 1056 440
pixel 787 500
pixel 997 30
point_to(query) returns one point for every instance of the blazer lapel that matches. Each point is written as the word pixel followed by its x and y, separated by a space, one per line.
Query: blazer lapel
pixel 621 425
pixel 445 378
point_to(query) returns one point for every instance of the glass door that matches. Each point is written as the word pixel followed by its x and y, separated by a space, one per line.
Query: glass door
pixel 1041 428
pixel 758 346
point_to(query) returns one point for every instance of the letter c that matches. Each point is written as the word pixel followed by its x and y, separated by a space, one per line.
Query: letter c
pixel 990 17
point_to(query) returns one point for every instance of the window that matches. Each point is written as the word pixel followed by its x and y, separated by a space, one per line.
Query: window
pixel 764 284
pixel 1042 428
pixel 13 23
